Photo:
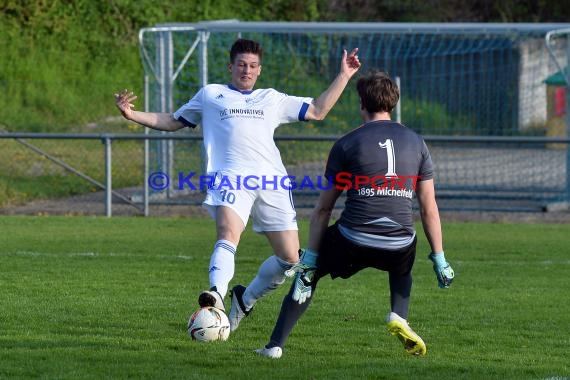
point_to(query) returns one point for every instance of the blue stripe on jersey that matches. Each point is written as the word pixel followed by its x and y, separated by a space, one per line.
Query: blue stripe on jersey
pixel 186 122
pixel 303 111
pixel 376 241
pixel 291 199
pixel 225 246
pixel 244 92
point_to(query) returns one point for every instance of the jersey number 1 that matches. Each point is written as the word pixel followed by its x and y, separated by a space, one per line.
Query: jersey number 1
pixel 389 146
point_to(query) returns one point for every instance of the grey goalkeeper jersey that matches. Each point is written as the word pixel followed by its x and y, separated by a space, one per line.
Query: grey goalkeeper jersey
pixel 379 165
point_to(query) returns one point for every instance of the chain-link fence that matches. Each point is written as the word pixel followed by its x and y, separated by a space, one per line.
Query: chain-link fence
pixel 455 79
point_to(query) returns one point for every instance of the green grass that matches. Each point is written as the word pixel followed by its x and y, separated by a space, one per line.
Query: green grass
pixel 92 298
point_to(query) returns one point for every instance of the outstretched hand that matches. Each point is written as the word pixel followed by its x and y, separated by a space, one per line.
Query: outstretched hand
pixel 350 62
pixel 124 102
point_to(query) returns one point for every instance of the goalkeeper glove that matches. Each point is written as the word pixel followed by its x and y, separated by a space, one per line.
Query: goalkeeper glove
pixel 442 269
pixel 304 272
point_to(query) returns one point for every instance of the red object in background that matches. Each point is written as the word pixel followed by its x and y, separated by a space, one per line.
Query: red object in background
pixel 560 101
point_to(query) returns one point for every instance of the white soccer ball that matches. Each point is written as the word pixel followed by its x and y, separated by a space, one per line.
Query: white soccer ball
pixel 208 324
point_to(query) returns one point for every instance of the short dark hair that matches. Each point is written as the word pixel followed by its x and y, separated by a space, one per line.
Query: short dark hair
pixel 377 92
pixel 242 46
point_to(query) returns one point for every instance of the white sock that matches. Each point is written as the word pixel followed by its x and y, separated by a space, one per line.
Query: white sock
pixel 222 266
pixel 393 316
pixel 270 275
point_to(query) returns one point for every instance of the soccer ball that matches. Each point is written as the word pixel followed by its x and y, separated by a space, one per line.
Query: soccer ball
pixel 208 324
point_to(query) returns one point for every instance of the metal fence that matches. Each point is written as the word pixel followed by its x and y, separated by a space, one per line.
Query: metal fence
pixel 108 170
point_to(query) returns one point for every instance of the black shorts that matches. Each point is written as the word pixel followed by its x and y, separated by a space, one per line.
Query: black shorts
pixel 340 257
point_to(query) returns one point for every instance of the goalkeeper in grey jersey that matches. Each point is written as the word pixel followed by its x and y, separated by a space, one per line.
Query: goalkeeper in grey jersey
pixel 380 165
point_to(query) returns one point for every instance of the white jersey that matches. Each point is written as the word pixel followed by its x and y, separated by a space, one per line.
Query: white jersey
pixel 238 126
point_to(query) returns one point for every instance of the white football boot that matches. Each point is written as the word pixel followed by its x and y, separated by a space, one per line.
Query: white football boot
pixel 272 353
pixel 211 298
pixel 237 310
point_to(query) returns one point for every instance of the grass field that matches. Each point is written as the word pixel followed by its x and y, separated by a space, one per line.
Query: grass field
pixel 93 298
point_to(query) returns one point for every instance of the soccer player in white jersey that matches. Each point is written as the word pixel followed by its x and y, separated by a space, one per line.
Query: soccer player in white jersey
pixel 238 123
pixel 379 164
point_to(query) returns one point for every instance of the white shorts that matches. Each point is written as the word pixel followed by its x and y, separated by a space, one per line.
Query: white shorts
pixel 269 203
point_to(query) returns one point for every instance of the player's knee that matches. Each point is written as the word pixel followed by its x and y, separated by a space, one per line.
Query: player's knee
pixel 287 260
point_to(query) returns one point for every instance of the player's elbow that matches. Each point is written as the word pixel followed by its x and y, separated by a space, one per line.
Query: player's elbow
pixel 429 211
pixel 172 125
pixel 319 116
pixel 316 112
pixel 322 212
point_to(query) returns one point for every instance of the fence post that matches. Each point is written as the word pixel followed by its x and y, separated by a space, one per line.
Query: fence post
pixel 203 65
pixel 567 75
pixel 108 177
pixel 146 168
pixel 146 172
pixel 399 104
pixel 565 72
